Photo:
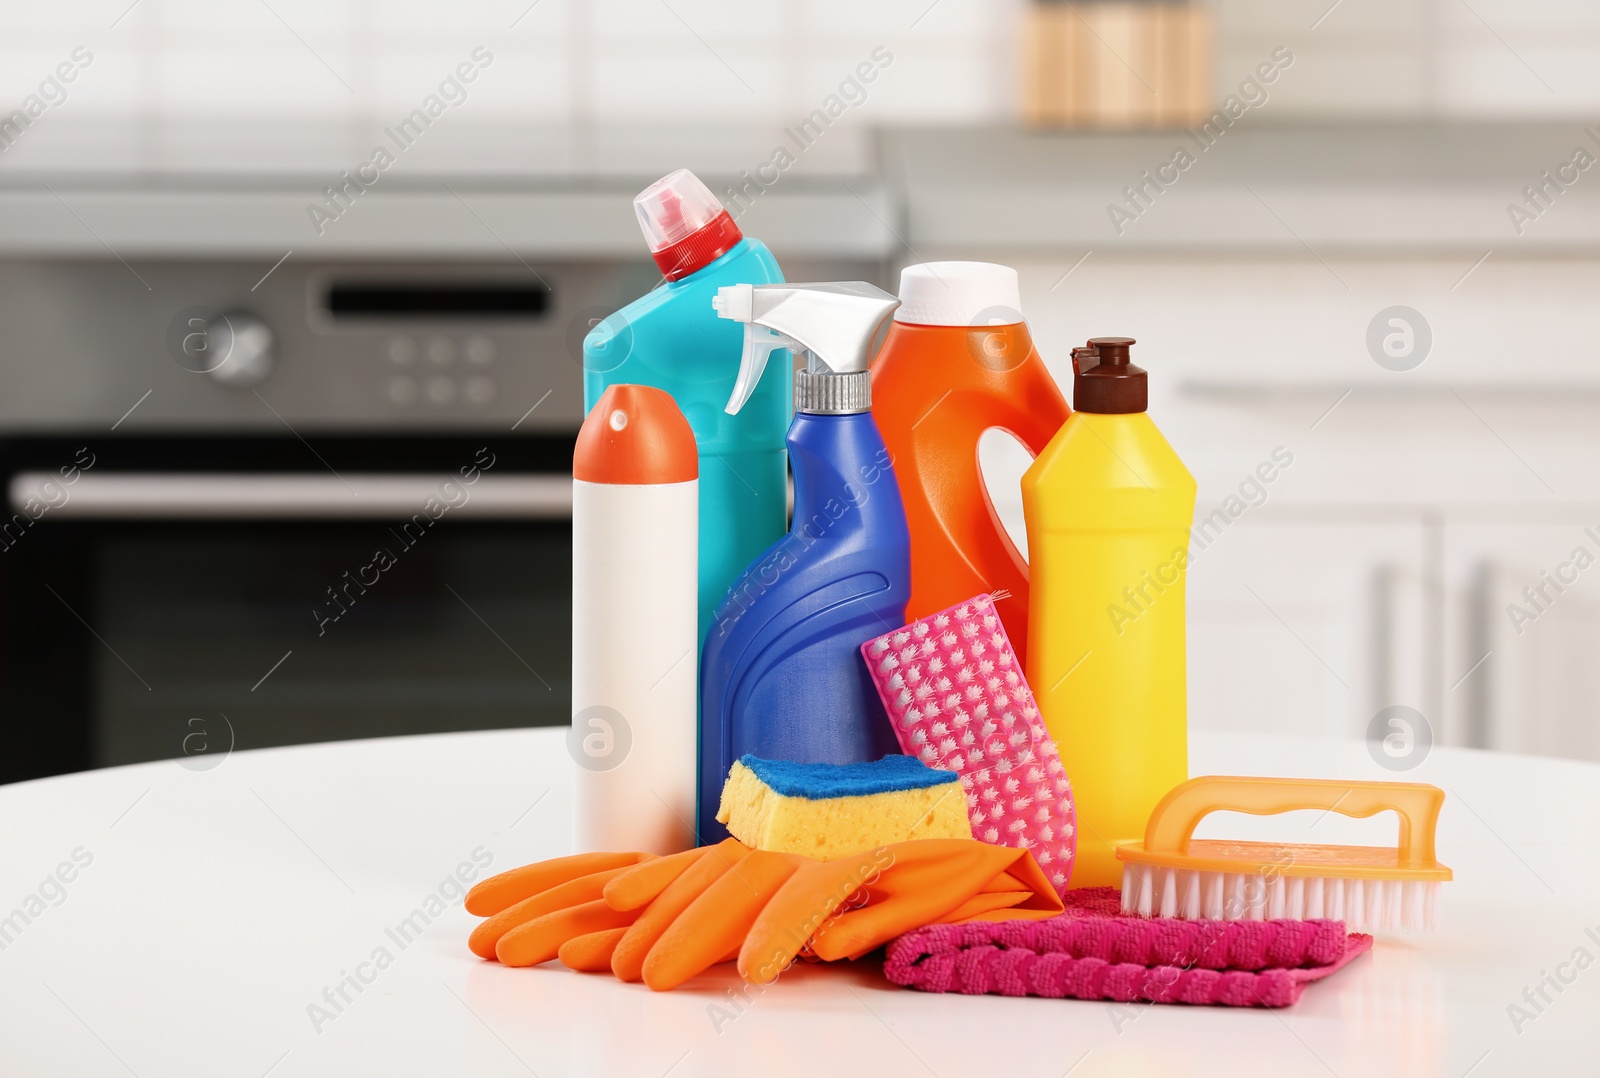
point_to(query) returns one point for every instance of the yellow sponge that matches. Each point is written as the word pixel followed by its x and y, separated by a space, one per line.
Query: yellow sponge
pixel 835 810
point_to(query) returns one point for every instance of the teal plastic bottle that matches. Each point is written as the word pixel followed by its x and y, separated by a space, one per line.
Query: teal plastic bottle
pixel 671 338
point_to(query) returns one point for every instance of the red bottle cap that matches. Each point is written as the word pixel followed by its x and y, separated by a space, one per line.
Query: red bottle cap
pixel 683 223
pixel 635 435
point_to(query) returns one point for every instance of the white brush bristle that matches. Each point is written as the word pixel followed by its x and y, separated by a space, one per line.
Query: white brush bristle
pixel 1366 905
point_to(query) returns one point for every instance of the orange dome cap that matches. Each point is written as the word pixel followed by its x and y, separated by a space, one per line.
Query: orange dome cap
pixel 635 435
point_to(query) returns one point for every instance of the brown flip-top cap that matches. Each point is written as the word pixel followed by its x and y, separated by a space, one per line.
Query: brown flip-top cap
pixel 1104 379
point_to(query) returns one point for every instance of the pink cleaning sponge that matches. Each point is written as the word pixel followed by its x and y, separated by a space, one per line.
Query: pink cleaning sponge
pixel 957 700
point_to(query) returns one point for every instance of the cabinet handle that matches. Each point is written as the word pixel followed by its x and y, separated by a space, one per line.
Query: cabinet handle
pixel 1478 726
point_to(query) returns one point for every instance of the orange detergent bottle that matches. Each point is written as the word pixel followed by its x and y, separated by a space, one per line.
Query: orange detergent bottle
pixel 957 361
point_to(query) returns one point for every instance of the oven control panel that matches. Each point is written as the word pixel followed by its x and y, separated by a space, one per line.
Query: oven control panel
pixel 342 347
pixel 242 346
pixel 440 369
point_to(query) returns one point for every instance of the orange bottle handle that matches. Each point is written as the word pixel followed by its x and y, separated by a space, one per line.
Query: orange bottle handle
pixel 1176 816
pixel 1021 416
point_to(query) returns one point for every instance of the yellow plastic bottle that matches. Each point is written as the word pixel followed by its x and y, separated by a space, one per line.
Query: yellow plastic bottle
pixel 1109 506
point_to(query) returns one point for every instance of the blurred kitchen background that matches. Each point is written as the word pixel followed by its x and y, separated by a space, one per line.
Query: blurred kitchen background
pixel 1361 236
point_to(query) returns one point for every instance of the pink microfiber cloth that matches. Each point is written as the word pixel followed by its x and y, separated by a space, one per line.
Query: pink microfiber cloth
pixel 958 702
pixel 1092 952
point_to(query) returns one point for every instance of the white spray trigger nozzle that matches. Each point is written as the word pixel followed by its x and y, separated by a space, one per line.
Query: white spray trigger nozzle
pixel 831 323
pixel 736 302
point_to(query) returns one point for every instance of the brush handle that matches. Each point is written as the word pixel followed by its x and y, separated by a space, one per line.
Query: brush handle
pixel 1173 822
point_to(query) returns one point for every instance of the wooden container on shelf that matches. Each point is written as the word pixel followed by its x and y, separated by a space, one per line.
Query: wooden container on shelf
pixel 1116 64
pixel 1184 65
pixel 1052 91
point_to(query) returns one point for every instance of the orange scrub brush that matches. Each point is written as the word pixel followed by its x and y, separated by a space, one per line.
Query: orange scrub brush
pixel 1174 874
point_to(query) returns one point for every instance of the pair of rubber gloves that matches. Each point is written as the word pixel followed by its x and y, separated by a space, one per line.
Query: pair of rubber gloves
pixel 664 920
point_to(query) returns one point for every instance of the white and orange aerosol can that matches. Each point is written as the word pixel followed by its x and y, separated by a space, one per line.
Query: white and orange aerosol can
pixel 635 506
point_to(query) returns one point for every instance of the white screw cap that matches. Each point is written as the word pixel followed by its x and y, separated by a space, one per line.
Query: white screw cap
pixel 959 294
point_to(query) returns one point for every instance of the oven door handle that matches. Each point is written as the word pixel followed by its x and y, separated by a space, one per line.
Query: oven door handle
pixel 228 496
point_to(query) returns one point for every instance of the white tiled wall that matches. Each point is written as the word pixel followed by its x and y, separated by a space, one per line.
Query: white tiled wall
pixel 767 61
pixel 692 61
pixel 1437 58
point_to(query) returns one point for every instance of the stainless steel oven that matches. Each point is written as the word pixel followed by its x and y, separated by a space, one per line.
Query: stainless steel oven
pixel 300 491
pixel 173 596
pixel 333 505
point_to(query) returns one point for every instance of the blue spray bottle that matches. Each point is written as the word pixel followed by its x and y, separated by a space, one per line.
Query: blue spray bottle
pixel 782 675
pixel 670 338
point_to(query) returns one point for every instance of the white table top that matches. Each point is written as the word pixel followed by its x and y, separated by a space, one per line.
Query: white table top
pixel 217 906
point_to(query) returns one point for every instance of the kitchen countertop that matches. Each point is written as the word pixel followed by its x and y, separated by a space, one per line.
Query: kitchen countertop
pixel 409 221
pixel 1256 187
pixel 213 903
pixel 186 187
pixel 183 187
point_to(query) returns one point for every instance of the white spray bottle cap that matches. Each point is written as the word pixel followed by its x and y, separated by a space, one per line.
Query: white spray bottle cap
pixel 832 323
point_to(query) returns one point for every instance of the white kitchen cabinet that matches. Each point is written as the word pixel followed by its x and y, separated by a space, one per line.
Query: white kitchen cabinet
pixel 1524 618
pixel 1418 505
pixel 1307 622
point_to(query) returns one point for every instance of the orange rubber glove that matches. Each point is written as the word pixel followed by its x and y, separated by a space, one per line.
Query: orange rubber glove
pixel 886 893
pixel 665 920
pixel 515 899
pixel 559 908
pixel 591 953
pixel 542 938
pixel 715 925
pixel 638 886
pixel 627 961
pixel 499 892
